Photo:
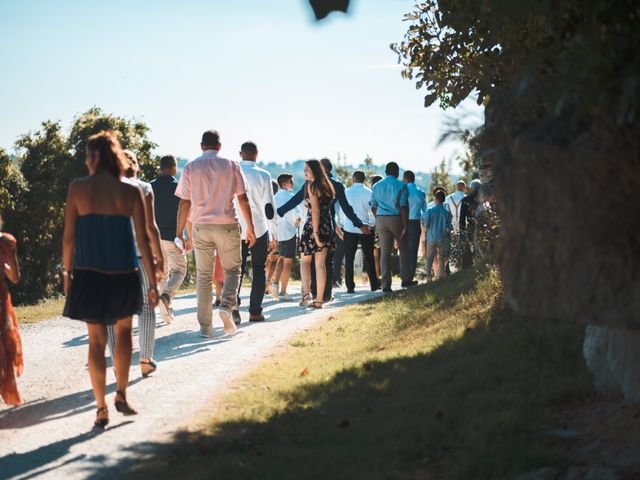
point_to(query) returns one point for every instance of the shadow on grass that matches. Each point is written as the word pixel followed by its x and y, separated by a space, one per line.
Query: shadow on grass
pixel 479 406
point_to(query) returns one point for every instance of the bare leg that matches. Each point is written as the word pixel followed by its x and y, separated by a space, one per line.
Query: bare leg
pixel 305 273
pixel 321 271
pixel 97 362
pixel 376 256
pixel 122 361
pixel 285 271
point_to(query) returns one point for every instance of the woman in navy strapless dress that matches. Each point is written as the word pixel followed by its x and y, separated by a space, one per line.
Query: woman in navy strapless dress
pixel 101 282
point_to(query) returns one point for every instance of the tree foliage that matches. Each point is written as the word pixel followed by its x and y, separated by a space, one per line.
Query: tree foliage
pixel 589 48
pixel 441 177
pixel 48 161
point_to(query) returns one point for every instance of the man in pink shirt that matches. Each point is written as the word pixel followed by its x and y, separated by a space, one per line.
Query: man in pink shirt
pixel 207 188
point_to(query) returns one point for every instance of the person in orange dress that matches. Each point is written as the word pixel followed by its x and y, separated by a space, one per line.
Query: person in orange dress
pixel 11 363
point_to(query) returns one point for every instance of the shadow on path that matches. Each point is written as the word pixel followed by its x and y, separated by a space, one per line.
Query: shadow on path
pixel 17 464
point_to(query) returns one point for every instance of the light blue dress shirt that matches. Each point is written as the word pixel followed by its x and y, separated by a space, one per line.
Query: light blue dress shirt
pixel 389 195
pixel 437 221
pixel 417 201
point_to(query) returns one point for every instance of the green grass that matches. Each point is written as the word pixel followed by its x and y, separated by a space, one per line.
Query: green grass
pixel 441 381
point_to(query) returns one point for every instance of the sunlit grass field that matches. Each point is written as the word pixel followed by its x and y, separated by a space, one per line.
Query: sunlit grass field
pixel 440 381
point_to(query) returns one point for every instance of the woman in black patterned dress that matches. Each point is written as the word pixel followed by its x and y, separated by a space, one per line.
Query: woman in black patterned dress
pixel 318 234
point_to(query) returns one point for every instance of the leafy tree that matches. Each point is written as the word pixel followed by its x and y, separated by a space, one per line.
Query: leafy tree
pixel 12 186
pixel 342 171
pixel 39 214
pixel 133 136
pixel 48 162
pixel 440 176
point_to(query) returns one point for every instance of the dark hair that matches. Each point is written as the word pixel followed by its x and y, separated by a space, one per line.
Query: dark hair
pixel 210 138
pixel 410 176
pixel 359 176
pixel 284 178
pixel 438 188
pixel 321 185
pixel 274 186
pixel 392 169
pixel 375 179
pixel 110 155
pixel 440 195
pixel 249 147
pixel 326 164
pixel 167 161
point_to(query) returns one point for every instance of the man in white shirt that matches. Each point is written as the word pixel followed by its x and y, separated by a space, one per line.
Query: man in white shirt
pixel 453 203
pixel 287 236
pixel 261 201
pixel 358 196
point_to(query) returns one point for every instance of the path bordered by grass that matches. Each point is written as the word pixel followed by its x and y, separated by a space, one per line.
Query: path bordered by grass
pixel 437 382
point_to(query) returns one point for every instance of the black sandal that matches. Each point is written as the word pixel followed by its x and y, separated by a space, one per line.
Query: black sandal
pixel 151 365
pixel 101 422
pixel 123 406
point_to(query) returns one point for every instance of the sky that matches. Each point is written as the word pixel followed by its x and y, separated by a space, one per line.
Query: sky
pixel 252 69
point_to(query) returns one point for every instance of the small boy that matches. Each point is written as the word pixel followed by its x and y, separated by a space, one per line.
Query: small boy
pixel 437 222
pixel 287 236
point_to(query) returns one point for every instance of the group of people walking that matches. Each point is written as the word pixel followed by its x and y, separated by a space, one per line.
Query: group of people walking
pixel 125 244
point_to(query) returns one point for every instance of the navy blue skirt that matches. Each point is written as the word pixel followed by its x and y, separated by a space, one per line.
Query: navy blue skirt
pixel 96 297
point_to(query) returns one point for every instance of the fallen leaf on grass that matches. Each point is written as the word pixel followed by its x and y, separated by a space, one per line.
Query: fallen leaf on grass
pixel 343 424
pixel 381 349
pixel 367 367
pixel 304 372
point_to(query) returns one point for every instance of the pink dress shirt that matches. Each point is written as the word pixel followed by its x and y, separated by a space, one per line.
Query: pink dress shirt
pixel 211 183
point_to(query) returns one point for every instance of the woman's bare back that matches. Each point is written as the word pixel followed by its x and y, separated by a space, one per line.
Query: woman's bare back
pixel 103 194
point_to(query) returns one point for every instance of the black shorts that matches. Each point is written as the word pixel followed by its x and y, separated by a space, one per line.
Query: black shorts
pixel 287 249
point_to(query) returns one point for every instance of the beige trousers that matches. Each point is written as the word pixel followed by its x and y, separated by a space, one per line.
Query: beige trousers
pixel 206 240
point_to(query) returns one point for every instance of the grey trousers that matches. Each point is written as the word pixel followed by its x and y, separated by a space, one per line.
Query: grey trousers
pixel 175 268
pixel 389 228
pixel 207 239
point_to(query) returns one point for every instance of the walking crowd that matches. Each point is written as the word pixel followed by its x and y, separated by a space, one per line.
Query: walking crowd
pixel 126 242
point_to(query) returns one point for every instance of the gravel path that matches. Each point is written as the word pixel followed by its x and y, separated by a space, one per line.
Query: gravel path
pixel 50 436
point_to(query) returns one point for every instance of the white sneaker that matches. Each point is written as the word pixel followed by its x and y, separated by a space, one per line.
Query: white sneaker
pixel 227 321
pixel 283 297
pixel 274 291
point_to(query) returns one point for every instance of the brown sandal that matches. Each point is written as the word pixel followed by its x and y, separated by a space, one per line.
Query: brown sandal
pixel 147 367
pixel 316 304
pixel 101 422
pixel 123 406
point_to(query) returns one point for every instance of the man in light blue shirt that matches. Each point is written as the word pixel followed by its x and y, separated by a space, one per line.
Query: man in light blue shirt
pixel 358 196
pixel 390 205
pixel 437 222
pixel 417 202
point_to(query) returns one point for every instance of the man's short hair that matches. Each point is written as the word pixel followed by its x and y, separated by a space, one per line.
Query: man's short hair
pixel 168 161
pixel 211 138
pixel 249 147
pixel 375 179
pixel 284 178
pixel 274 186
pixel 409 176
pixel 359 176
pixel 392 168
pixel 440 195
pixel 326 164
